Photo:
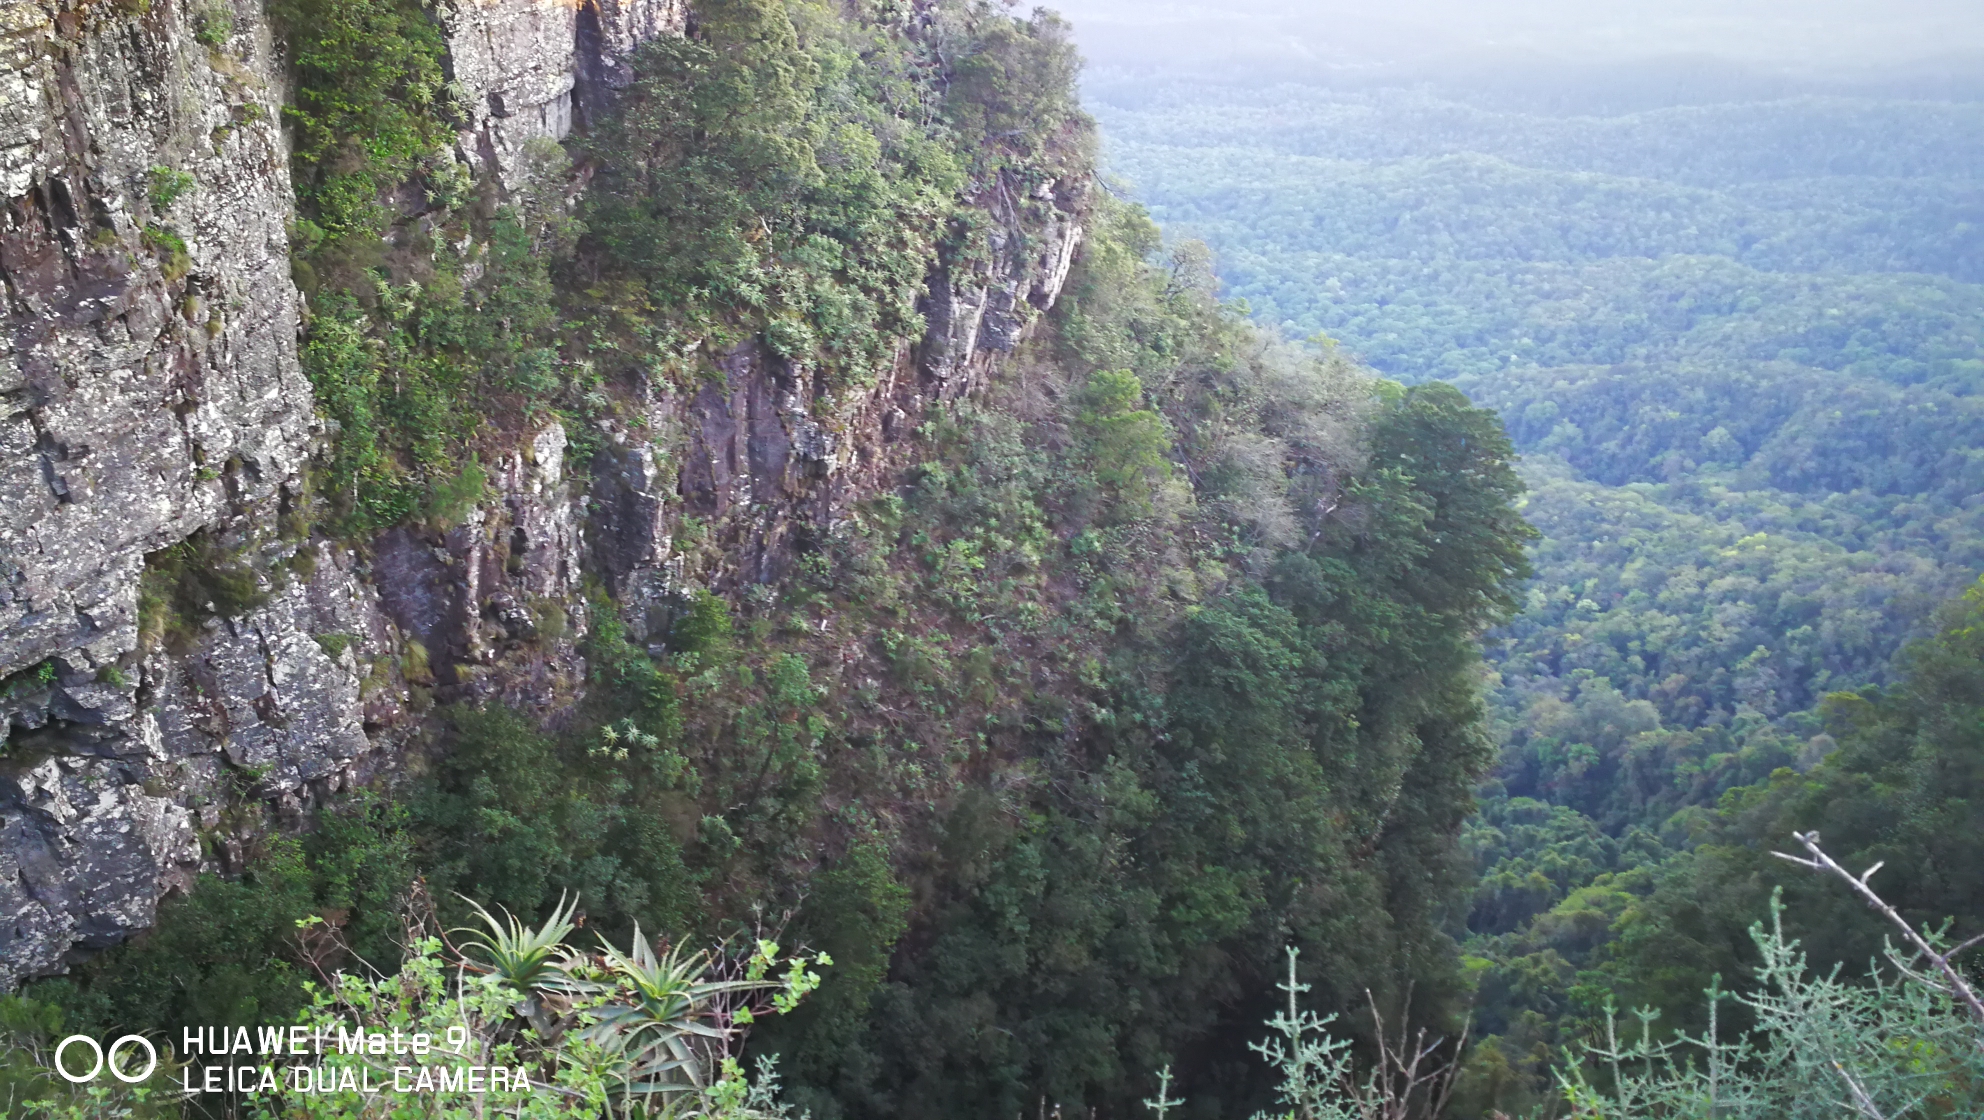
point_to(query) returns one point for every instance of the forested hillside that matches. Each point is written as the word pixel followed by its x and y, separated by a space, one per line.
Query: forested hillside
pixel 1741 349
pixel 796 508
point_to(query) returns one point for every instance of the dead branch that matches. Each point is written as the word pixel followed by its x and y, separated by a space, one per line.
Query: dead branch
pixel 1409 1068
pixel 1958 987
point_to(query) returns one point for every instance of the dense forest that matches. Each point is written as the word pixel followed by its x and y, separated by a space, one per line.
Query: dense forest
pixel 1738 347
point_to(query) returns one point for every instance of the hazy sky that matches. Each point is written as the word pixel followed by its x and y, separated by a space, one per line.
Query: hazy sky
pixel 1825 34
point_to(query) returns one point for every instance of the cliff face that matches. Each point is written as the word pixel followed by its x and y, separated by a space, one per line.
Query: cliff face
pixel 151 389
pixel 152 395
pixel 529 68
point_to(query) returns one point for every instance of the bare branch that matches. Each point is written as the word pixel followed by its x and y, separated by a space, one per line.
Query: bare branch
pixel 1410 1070
pixel 1958 986
pixel 1861 1101
pixel 1978 940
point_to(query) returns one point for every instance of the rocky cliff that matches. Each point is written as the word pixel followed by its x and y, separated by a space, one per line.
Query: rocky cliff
pixel 151 391
pixel 154 418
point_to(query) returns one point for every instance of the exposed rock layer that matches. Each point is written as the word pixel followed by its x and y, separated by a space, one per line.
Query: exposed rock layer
pixel 150 389
pixel 533 68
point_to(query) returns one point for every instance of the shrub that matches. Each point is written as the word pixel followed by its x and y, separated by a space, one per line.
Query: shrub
pixel 214 26
pixel 608 1032
pixel 368 102
pixel 774 173
pixel 1909 1042
pixel 1128 444
pixel 1014 83
pixel 187 583
pixel 165 185
pixel 174 259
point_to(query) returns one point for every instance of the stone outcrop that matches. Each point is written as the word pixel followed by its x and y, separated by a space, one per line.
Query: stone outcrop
pixel 767 458
pixel 992 310
pixel 151 392
pixel 147 388
pixel 534 68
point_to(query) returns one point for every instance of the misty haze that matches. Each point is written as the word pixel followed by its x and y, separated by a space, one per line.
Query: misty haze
pixel 1810 39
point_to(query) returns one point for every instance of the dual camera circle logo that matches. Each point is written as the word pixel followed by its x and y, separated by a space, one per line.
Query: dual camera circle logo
pixel 106 1058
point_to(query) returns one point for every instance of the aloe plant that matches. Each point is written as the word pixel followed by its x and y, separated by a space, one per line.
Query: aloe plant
pixel 667 1025
pixel 660 1027
pixel 531 960
pixel 546 973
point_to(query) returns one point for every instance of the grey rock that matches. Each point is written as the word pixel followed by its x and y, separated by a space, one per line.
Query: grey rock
pixel 531 68
pixel 993 310
pixel 136 407
pixel 144 395
pixel 261 692
pixel 83 853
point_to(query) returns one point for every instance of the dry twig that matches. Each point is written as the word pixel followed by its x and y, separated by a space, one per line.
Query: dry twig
pixel 1954 983
pixel 1408 1069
